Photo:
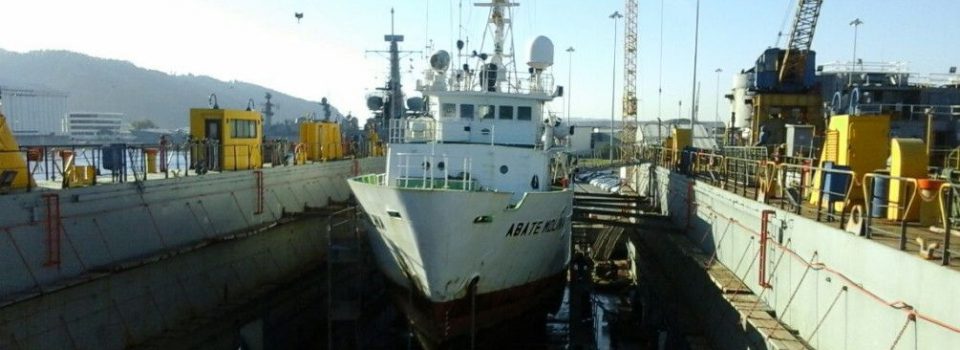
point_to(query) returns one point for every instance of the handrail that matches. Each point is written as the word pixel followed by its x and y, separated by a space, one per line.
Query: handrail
pixel 425 179
pixel 946 211
pixel 869 182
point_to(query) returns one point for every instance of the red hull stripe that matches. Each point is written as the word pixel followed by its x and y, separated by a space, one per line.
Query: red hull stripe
pixel 440 322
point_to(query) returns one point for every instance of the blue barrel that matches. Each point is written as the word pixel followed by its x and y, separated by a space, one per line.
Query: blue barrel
pixel 114 156
pixel 687 157
pixel 881 189
pixel 834 184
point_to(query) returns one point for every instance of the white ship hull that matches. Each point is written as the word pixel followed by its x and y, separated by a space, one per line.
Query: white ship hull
pixel 437 242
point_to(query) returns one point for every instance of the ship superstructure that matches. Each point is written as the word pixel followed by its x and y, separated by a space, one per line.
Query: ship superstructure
pixel 467 218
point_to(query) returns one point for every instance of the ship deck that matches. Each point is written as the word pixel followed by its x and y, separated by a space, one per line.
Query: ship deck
pixel 883 231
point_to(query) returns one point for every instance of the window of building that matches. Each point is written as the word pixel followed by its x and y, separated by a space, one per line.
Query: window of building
pixel 243 129
pixel 466 111
pixel 449 110
pixel 506 112
pixel 524 113
pixel 487 112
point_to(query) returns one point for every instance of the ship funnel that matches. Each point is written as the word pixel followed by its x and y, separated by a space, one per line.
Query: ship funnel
pixel 541 53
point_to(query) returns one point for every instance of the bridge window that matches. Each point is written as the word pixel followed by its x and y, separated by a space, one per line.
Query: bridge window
pixel 524 113
pixel 486 112
pixel 506 112
pixel 449 110
pixel 466 111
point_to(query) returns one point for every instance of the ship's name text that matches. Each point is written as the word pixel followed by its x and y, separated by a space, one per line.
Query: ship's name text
pixel 535 227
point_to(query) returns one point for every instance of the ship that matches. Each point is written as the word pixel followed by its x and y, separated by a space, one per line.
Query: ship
pixel 468 222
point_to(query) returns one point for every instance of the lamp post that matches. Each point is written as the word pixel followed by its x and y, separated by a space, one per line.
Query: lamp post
pixel 570 50
pixel 856 26
pixel 716 117
pixel 696 45
pixel 616 16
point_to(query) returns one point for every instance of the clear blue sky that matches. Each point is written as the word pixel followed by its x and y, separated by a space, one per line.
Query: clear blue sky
pixel 261 42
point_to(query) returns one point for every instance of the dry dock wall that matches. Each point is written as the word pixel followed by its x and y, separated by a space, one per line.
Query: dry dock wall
pixel 853 294
pixel 127 251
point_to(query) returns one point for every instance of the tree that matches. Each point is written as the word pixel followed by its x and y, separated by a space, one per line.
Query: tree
pixel 143 124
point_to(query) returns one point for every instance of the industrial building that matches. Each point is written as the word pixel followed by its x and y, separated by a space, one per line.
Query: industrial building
pixel 94 125
pixel 34 111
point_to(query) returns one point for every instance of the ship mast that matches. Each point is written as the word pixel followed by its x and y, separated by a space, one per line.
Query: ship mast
pixel 501 23
pixel 396 95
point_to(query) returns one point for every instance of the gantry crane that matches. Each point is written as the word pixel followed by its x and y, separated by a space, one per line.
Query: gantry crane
pixel 628 133
pixel 784 80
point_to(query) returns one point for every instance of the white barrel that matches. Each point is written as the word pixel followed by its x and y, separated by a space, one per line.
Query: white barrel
pixel 743 112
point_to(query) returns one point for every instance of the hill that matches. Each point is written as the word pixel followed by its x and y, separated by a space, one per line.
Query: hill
pixel 107 85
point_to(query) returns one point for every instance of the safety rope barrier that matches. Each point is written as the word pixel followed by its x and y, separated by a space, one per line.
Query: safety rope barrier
pixel 764 289
pixel 786 307
pixel 829 308
pixel 896 304
pixel 910 318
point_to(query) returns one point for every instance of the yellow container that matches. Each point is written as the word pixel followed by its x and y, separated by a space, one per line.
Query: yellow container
pixel 908 158
pixel 151 160
pixel 851 141
pixel 322 140
pixel 680 139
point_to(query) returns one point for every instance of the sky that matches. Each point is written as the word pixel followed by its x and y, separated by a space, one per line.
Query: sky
pixel 328 53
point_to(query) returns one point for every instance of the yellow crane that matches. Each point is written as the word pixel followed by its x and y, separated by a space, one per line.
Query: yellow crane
pixel 628 132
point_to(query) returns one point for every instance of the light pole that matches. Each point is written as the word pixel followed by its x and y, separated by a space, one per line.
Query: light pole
pixel 570 50
pixel 616 16
pixel 856 26
pixel 716 117
pixel 696 46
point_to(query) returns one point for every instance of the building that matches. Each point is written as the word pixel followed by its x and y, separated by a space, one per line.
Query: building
pixel 94 125
pixel 33 111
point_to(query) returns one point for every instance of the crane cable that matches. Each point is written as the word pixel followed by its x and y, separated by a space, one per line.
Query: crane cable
pixel 783 24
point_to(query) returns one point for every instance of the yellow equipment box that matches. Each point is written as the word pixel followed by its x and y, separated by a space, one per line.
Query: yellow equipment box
pixel 238 135
pixel 322 140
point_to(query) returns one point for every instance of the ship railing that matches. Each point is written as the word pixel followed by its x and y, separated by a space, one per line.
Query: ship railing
pixel 866 67
pixel 72 165
pixel 514 83
pixel 824 193
pixel 712 165
pixel 884 203
pixel 412 130
pixel 947 195
pixel 912 112
pixel 433 172
pixel 746 152
pixel 840 197
pixel 831 191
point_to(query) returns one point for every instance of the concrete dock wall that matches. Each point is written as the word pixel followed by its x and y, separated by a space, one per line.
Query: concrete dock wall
pixel 835 289
pixel 135 258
